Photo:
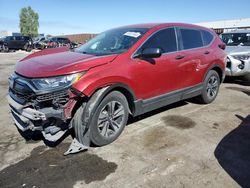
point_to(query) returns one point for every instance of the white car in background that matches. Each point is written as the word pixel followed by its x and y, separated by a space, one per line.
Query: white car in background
pixel 238 53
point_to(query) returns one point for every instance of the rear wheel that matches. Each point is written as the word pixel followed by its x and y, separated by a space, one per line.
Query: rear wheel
pixel 109 119
pixel 210 87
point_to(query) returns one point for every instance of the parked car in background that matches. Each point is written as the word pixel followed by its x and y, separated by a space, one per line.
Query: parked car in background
pixel 75 44
pixel 128 70
pixel 53 42
pixel 39 43
pixel 49 43
pixel 18 43
pixel 61 41
pixel 238 51
pixel 1 44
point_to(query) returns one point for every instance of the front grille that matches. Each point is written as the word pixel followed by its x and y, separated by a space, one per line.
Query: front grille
pixel 22 96
pixel 51 96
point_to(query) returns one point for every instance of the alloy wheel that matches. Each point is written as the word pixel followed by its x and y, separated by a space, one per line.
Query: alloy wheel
pixel 212 87
pixel 111 119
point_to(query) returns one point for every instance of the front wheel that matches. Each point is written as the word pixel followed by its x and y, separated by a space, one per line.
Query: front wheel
pixel 210 87
pixel 5 48
pixel 109 119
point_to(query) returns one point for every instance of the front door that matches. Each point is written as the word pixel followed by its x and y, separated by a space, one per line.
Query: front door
pixel 161 75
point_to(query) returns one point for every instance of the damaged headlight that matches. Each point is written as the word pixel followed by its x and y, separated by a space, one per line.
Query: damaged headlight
pixel 241 57
pixel 56 82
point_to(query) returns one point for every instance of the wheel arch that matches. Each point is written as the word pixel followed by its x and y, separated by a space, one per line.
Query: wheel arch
pixel 105 90
pixel 218 69
pixel 125 90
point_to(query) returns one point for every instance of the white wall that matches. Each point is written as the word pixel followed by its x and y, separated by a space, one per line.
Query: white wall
pixel 236 23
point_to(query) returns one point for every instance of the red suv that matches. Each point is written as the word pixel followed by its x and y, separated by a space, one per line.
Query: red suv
pixel 127 70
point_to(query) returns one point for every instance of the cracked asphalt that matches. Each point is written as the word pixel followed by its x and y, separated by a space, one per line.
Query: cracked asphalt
pixel 182 145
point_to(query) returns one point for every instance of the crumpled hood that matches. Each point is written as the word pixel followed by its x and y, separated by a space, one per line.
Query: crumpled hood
pixel 230 50
pixel 58 62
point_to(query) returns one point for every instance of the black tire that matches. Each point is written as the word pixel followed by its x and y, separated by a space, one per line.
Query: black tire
pixel 28 49
pixel 210 88
pixel 6 48
pixel 119 101
pixel 247 79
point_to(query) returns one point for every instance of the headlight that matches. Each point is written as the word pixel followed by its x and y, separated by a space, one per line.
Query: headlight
pixel 56 82
pixel 241 57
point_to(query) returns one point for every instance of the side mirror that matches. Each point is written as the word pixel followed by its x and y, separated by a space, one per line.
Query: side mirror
pixel 150 53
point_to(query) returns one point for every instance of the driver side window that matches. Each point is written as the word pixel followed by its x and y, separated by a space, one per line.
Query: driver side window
pixel 164 39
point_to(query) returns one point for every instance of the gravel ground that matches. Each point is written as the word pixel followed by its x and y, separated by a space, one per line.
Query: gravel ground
pixel 181 145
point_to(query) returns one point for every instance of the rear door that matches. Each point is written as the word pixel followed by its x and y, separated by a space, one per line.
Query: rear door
pixel 18 42
pixel 191 43
pixel 11 42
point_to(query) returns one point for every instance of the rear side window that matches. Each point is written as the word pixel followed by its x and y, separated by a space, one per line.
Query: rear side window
pixel 164 39
pixel 191 38
pixel 207 37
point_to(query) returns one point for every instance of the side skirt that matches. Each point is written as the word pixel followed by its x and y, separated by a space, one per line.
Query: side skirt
pixel 143 106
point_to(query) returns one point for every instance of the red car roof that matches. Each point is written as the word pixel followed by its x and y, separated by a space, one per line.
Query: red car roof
pixel 152 25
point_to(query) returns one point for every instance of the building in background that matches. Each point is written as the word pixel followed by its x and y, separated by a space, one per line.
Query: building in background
pixel 8 33
pixel 227 25
pixel 81 38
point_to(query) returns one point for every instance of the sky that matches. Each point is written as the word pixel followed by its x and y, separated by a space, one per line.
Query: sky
pixel 58 17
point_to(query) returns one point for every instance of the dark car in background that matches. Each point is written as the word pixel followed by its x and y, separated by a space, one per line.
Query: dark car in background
pixel 1 44
pixel 18 43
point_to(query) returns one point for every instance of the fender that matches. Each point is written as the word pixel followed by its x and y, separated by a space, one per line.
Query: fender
pixel 107 88
pixel 93 81
pixel 82 130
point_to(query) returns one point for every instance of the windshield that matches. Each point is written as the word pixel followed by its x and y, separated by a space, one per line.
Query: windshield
pixel 235 39
pixel 113 41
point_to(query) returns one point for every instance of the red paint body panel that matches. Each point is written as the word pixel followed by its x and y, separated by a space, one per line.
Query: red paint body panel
pixel 145 79
pixel 59 63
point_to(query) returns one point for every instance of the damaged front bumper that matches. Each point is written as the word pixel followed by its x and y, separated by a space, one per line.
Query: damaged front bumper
pixel 47 120
pixel 50 112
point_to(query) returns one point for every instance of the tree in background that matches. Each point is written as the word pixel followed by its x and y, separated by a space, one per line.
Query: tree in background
pixel 28 22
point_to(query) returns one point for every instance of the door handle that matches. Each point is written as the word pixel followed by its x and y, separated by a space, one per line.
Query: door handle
pixel 179 57
pixel 206 52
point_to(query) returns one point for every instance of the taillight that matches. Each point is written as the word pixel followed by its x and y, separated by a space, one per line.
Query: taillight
pixel 222 46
